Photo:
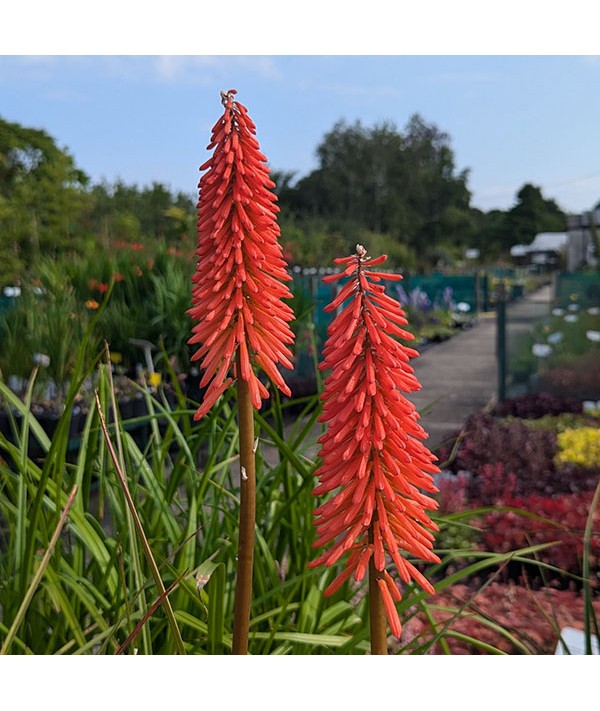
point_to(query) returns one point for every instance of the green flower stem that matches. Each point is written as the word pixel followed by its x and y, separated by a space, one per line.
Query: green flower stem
pixel 243 586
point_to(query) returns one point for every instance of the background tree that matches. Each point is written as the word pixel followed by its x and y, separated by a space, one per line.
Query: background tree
pixel 42 198
pixel 397 192
pixel 402 185
pixel 129 214
pixel 488 232
pixel 438 197
pixel 532 214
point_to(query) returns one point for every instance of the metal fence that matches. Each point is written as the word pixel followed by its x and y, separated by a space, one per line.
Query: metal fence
pixel 5 303
pixel 472 289
pixel 578 288
pixel 550 342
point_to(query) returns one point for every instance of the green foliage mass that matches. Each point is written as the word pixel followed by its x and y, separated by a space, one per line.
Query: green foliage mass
pixel 49 209
pixel 41 199
pixel 405 186
pixel 397 192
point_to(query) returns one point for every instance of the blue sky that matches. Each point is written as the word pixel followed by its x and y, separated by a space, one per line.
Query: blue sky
pixel 141 118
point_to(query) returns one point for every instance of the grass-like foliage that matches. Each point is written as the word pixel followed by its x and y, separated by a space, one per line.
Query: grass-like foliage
pixel 97 534
pixel 124 540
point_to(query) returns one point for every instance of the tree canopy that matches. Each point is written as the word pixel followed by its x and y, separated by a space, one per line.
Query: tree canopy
pixel 398 192
pixel 48 206
pixel 41 197
pixel 404 185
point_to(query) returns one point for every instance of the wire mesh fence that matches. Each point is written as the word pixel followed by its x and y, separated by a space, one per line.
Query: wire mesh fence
pixel 552 340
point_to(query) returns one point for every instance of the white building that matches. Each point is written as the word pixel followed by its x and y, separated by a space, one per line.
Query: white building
pixel 544 253
pixel 580 249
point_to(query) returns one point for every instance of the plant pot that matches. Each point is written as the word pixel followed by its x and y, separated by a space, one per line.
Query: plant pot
pixel 126 408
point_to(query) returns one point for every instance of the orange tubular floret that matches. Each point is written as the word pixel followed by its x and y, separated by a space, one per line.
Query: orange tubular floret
pixel 390 608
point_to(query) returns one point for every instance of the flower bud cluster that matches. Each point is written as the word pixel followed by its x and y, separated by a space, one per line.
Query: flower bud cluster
pixel 241 321
pixel 372 457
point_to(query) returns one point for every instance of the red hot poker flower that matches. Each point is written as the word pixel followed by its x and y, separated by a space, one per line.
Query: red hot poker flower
pixel 371 454
pixel 240 276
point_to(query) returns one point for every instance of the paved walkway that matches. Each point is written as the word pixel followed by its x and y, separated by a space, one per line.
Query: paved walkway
pixel 460 375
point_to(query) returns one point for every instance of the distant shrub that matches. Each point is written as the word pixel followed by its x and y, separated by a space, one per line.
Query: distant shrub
pixel 487 442
pixel 562 422
pixel 579 446
pixel 579 378
pixel 534 405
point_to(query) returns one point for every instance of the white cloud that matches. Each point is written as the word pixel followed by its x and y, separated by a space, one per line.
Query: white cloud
pixel 203 68
pixel 194 69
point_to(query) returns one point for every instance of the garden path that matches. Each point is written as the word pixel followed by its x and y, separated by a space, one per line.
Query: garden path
pixel 458 377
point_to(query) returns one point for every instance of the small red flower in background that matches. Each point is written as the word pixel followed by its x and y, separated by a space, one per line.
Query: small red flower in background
pixel 371 454
pixel 137 246
pixel 238 285
pixel 117 276
pixel 100 286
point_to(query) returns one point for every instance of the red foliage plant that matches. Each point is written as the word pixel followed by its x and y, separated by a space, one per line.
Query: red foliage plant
pixel 453 493
pixel 538 404
pixel 241 275
pixel 371 455
pixel 560 519
pixel 533 617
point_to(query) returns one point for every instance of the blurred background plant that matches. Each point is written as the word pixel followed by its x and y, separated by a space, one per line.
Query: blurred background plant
pixel 45 328
pixel 558 353
pixel 143 298
pixel 149 297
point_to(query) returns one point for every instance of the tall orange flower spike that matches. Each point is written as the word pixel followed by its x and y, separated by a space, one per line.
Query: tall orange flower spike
pixel 239 283
pixel 371 453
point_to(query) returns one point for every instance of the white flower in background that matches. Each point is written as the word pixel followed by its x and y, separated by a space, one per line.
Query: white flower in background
pixel 571 318
pixel 594 310
pixel 555 337
pixel 558 312
pixel 12 291
pixel 591 406
pixel 573 307
pixel 41 359
pixel 541 350
pixel 593 336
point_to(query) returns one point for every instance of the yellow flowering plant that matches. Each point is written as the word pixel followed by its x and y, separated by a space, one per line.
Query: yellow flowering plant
pixel 579 446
